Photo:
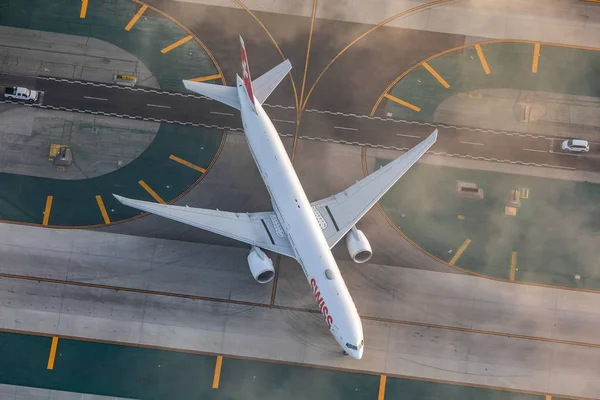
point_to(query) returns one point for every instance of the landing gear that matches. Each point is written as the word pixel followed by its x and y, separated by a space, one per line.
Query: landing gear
pixel 345 352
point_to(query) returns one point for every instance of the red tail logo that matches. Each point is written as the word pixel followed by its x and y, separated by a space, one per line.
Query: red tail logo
pixel 246 72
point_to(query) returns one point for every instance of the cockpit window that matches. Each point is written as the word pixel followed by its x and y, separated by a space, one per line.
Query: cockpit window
pixel 351 346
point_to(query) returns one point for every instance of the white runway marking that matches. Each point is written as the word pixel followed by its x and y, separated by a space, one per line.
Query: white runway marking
pixel 95 98
pixel 473 143
pixel 221 113
pixel 539 151
pixel 157 105
pixel 283 120
pixel 343 127
pixel 410 136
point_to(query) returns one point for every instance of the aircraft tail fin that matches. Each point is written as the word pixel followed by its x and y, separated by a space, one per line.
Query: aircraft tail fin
pixel 246 78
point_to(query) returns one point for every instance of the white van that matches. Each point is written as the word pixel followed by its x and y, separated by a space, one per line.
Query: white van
pixel 575 146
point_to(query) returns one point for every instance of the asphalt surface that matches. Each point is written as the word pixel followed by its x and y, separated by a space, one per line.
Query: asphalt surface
pixel 322 125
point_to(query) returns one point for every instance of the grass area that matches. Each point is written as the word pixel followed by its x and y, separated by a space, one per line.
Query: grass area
pixel 558 226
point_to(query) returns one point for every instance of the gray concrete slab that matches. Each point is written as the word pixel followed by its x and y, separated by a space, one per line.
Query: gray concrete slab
pixel 559 21
pixel 12 392
pixel 405 296
pixel 100 144
pixel 32 52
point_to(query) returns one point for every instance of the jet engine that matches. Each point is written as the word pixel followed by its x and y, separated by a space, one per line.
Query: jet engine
pixel 358 246
pixel 260 265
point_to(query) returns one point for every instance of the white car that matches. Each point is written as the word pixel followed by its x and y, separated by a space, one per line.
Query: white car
pixel 575 146
pixel 21 93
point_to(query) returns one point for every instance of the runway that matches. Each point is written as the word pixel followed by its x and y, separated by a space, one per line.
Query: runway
pixel 320 125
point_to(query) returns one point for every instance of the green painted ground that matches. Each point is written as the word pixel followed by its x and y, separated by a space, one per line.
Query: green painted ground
pixel 23 198
pixel 148 374
pixel 560 70
pixel 557 226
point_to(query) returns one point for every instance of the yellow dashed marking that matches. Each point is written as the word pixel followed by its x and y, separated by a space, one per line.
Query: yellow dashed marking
pixel 513 265
pixel 136 17
pixel 84 4
pixel 102 209
pixel 187 163
pixel 402 102
pixel 436 75
pixel 52 353
pixel 217 372
pixel 206 78
pixel 382 381
pixel 460 251
pixel 484 63
pixel 151 192
pixel 536 58
pixel 47 210
pixel 176 44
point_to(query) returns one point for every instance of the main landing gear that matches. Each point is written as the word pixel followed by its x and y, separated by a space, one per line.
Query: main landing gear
pixel 345 352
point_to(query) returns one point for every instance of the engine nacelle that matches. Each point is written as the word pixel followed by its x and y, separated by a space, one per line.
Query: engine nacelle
pixel 358 246
pixel 260 265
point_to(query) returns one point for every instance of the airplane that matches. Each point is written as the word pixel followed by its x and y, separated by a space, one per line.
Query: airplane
pixel 296 228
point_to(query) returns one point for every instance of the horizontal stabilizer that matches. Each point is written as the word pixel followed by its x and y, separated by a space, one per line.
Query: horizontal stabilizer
pixel 224 94
pixel 265 84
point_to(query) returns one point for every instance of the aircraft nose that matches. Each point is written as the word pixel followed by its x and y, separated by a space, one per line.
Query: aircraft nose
pixel 358 354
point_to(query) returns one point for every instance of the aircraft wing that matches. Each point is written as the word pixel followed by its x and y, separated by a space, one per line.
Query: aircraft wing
pixel 256 229
pixel 337 214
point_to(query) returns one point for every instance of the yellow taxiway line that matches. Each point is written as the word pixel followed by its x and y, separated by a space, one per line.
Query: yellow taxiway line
pixel 206 78
pixel 402 102
pixel 513 265
pixel 436 75
pixel 382 381
pixel 460 251
pixel 102 209
pixel 217 376
pixel 83 12
pixel 151 192
pixel 47 210
pixel 136 17
pixel 52 353
pixel 484 63
pixel 187 163
pixel 536 58
pixel 176 44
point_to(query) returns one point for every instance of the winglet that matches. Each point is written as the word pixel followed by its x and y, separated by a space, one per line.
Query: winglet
pixel 246 78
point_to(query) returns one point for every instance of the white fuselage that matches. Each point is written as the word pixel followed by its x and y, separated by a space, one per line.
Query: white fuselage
pixel 297 218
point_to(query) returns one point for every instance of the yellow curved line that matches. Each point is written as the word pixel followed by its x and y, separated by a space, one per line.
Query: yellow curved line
pixel 464 46
pixel 466 271
pixel 274 43
pixel 402 14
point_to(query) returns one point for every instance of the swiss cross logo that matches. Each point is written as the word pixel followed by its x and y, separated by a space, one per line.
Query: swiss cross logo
pixel 245 68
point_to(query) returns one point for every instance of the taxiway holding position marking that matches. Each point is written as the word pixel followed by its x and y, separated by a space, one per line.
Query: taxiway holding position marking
pixel 382 382
pixel 83 12
pixel 436 75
